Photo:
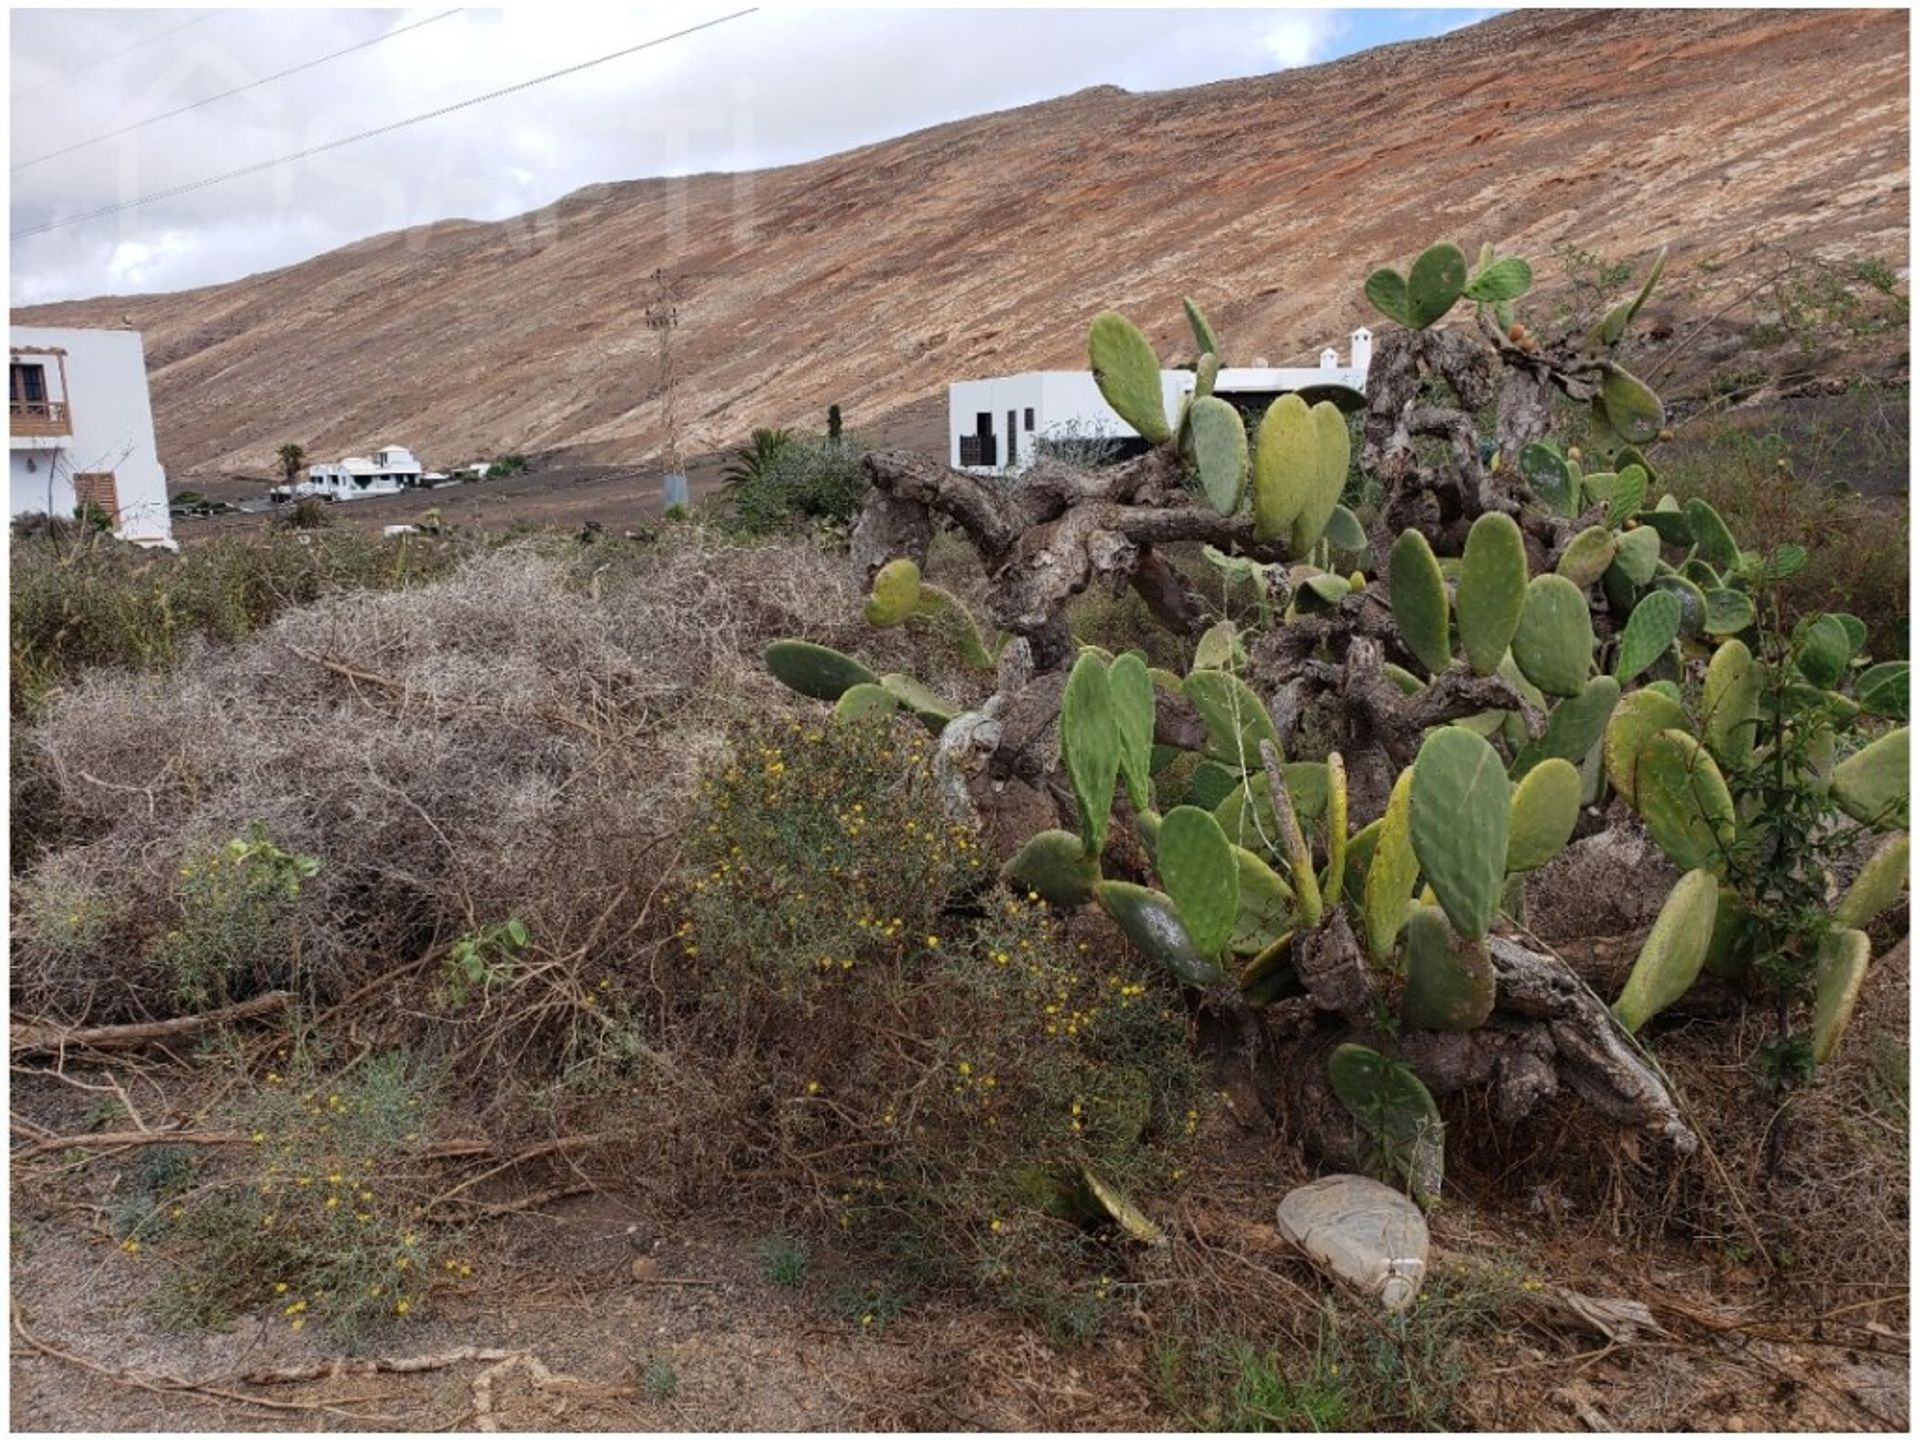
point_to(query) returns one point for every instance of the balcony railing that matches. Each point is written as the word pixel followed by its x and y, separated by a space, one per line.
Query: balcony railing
pixel 980 450
pixel 39 417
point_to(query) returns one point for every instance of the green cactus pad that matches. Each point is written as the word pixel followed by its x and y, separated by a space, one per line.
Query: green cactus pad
pixel 1334 882
pixel 1055 866
pixel 1587 556
pixel 1219 452
pixel 1403 680
pixel 860 701
pixel 1197 866
pixel 1151 922
pixel 1553 644
pixel 1551 479
pixel 1437 280
pixel 1545 808
pixel 1871 784
pixel 1629 491
pixel 1636 720
pixel 1632 408
pixel 1882 689
pixel 1128 374
pixel 930 708
pixel 896 593
pixel 1386 288
pixel 1672 525
pixel 1286 466
pixel 1332 451
pixel 1397 1114
pixel 815 670
pixel 1492 596
pixel 1674 951
pixel 1450 984
pixel 1837 977
pixel 1728 612
pixel 1266 909
pixel 1502 280
pixel 1344 531
pixel 1683 799
pixel 1130 689
pixel 1270 977
pixel 1090 745
pixel 1613 327
pixel 1211 783
pixel 1203 336
pixel 1206 375
pixel 1822 649
pixel 1638 557
pixel 1730 702
pixel 1418 596
pixel 1458 810
pixel 1650 633
pixel 1711 537
pixel 1123 1212
pixel 1236 718
pixel 1730 951
pixel 1219 648
pixel 1574 728
pixel 1880 882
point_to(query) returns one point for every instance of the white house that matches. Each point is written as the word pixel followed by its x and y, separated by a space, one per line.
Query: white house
pixel 388 471
pixel 997 425
pixel 81 430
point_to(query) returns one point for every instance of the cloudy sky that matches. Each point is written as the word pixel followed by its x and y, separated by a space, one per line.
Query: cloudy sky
pixel 773 87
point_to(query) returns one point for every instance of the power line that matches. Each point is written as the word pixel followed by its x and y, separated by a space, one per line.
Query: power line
pixel 311 150
pixel 226 94
pixel 137 45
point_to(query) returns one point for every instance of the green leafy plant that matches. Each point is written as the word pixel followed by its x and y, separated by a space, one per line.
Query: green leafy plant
pixel 479 961
pixel 234 929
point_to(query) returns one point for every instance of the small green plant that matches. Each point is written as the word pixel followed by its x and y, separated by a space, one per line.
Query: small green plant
pixel 659 1379
pixel 510 464
pixel 785 481
pixel 786 1260
pixel 480 961
pixel 291 457
pixel 234 930
pixel 676 512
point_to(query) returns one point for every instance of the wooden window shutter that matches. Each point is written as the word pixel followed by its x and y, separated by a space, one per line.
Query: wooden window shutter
pixel 96 487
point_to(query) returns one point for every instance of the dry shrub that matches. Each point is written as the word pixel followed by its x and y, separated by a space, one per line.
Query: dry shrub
pixel 517 741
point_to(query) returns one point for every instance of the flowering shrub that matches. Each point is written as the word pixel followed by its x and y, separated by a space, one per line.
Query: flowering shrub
pixel 236 909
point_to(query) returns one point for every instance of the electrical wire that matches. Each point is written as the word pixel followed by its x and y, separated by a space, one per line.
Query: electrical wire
pixel 311 150
pixel 225 94
pixel 137 45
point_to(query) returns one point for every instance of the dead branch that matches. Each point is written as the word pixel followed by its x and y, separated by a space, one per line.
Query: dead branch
pixel 548 1147
pixel 28 1036
pixel 117 1139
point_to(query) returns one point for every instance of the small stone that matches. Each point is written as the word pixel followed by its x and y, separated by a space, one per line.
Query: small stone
pixel 644 1267
pixel 1360 1231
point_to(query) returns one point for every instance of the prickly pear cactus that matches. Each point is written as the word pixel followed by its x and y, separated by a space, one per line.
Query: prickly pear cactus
pixel 1458 808
pixel 1674 951
pixel 1493 590
pixel 1128 374
pixel 1398 1116
pixel 815 670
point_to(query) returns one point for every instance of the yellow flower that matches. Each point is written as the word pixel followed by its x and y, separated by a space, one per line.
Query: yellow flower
pixel 402 1308
pixel 994 1226
pixel 296 1324
pixel 281 1288
pixel 965 1068
pixel 813 1087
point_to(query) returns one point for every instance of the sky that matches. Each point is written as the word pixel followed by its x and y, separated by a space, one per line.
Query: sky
pixel 774 87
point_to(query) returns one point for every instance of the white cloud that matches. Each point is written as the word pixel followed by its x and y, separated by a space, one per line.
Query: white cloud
pixel 1303 38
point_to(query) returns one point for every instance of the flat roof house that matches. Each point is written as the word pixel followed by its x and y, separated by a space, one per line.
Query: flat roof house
pixel 1000 425
pixel 388 471
pixel 80 430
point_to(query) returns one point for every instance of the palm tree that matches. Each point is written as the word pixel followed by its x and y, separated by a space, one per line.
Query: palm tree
pixel 752 461
pixel 292 457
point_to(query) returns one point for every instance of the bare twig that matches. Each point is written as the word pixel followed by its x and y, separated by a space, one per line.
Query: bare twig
pixel 27 1036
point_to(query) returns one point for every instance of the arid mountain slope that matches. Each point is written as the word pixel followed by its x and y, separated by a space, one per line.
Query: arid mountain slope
pixel 875 277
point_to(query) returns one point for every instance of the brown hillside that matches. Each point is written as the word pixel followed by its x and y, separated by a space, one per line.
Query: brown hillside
pixel 874 277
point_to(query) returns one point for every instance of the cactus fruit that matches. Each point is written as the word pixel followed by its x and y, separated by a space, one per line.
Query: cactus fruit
pixel 1397 1114
pixel 929 708
pixel 1650 632
pixel 1203 336
pixel 1674 951
pixel 1332 451
pixel 896 591
pixel 1150 920
pixel 1575 726
pixel 1286 466
pixel 1638 555
pixel 1587 556
pixel 1130 689
pixel 1553 644
pixel 860 701
pixel 1458 811
pixel 1090 745
pixel 1198 868
pixel 1878 884
pixel 1543 812
pixel 1219 452
pixel 1128 374
pixel 1730 702
pixel 1236 718
pixel 1450 984
pixel 1418 596
pixel 1684 801
pixel 1837 977
pixel 1636 720
pixel 1056 867
pixel 1436 281
pixel 1492 594
pixel 1871 784
pixel 815 670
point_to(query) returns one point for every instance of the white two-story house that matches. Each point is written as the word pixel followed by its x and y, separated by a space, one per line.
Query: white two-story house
pixel 80 430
